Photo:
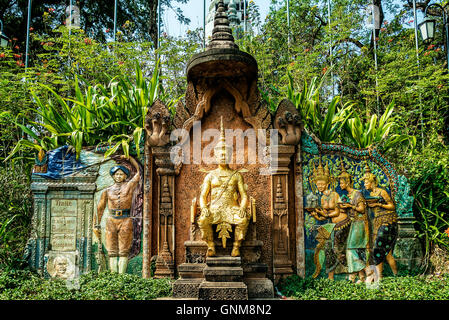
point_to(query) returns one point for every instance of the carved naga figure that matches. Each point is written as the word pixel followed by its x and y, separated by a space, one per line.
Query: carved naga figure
pixel 157 124
pixel 288 123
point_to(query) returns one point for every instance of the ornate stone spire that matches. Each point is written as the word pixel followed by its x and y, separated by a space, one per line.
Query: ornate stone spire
pixel 222 33
pixel 221 145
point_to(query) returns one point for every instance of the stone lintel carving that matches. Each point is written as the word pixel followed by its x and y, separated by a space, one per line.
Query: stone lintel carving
pixel 288 122
pixel 165 264
pixel 280 156
pixel 157 124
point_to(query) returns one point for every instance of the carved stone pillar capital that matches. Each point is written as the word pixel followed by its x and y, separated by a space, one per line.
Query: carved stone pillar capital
pixel 163 162
pixel 288 122
pixel 280 157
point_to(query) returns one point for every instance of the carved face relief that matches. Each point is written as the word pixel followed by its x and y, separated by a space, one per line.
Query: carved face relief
pixel 368 184
pixel 61 264
pixel 221 156
pixel 344 183
pixel 322 185
pixel 119 176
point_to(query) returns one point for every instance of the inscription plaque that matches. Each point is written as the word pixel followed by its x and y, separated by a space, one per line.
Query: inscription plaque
pixel 63 224
pixel 63 207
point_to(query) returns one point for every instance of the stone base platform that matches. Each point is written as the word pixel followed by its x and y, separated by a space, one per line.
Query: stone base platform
pixel 222 291
pixel 223 279
pixel 223 268
pixel 228 274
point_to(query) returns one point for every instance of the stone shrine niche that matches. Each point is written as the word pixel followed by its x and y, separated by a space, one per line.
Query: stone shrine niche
pixel 222 89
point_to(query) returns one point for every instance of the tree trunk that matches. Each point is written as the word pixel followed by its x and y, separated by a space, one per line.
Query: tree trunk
pixel 153 23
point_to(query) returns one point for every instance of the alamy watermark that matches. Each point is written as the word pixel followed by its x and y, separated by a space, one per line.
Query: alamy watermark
pixel 248 146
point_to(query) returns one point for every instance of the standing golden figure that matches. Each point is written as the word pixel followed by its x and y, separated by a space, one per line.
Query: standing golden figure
pixel 228 203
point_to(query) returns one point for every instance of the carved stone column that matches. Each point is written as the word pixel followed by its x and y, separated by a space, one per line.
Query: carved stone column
pixel 38 242
pixel 157 124
pixel 280 156
pixel 165 266
pixel 299 211
pixel 147 211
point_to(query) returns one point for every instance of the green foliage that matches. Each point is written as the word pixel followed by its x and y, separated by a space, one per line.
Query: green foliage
pixel 97 115
pixel 25 285
pixel 68 104
pixel 15 215
pixel 390 288
pixel 136 19
pixel 326 127
pixel 364 135
pixel 429 180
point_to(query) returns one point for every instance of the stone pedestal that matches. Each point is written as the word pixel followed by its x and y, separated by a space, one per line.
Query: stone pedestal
pixel 191 276
pixel 248 270
pixel 408 251
pixel 223 280
pixel 62 223
pixel 165 264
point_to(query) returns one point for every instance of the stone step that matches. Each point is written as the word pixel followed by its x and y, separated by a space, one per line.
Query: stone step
pixel 221 274
pixel 224 261
pixel 222 291
pixel 186 288
pixel 191 270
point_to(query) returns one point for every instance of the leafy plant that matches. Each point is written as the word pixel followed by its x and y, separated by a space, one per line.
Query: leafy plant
pixel 15 215
pixel 126 106
pixel 113 114
pixel 430 207
pixel 327 127
pixel 373 132
pixel 390 288
pixel 26 285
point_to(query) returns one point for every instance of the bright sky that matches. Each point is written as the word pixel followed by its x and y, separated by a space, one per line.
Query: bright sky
pixel 194 11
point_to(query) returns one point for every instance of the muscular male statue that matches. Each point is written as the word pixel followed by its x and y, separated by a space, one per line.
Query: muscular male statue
pixel 119 225
pixel 228 202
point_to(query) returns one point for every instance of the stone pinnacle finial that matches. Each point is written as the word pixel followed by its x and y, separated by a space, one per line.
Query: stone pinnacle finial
pixel 222 33
pixel 221 145
pixel 222 129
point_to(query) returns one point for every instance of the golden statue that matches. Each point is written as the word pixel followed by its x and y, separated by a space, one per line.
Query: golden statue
pixel 229 203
